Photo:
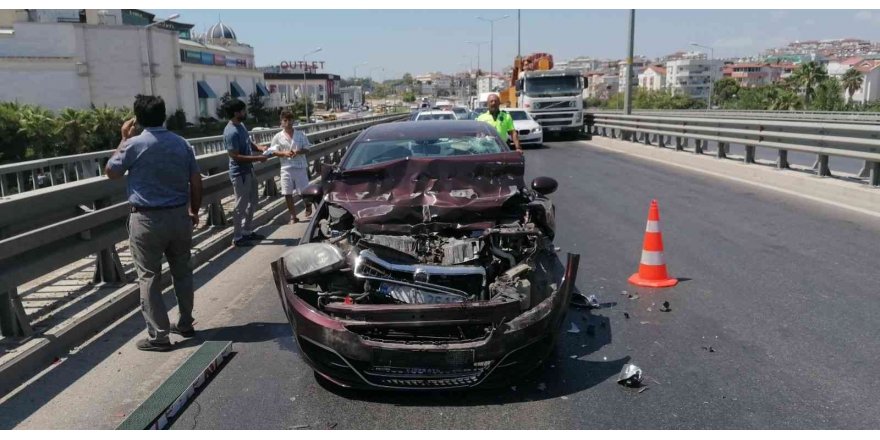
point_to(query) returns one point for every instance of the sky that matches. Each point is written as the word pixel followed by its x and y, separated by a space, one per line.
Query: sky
pixel 422 41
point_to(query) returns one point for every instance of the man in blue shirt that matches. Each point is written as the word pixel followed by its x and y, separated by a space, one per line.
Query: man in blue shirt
pixel 240 148
pixel 165 192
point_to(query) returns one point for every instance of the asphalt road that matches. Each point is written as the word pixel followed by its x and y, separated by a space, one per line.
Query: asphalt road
pixel 782 289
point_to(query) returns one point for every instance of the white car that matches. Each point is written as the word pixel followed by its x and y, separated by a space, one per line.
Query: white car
pixel 435 115
pixel 528 129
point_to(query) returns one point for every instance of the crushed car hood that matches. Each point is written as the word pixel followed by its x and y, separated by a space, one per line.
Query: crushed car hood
pixel 455 190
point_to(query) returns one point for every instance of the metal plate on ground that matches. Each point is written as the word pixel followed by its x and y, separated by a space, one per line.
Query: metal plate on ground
pixel 164 404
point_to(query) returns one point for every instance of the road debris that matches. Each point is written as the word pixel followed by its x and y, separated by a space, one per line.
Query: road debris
pixel 649 309
pixel 626 315
pixel 542 386
pixel 574 356
pixel 587 302
pixel 634 296
pixel 643 390
pixel 624 292
pixel 709 348
pixel 293 399
pixel 574 329
pixel 331 425
pixel 300 427
pixel 564 397
pixel 665 307
pixel 513 388
pixel 630 376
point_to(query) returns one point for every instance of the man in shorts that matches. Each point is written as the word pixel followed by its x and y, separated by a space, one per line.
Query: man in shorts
pixel 291 146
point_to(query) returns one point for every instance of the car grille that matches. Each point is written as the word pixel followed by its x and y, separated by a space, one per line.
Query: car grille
pixel 424 377
pixel 525 132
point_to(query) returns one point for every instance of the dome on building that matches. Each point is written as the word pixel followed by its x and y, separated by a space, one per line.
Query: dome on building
pixel 221 31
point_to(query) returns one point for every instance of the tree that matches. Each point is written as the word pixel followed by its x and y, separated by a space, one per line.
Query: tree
pixel 407 79
pixel 780 98
pixel 725 90
pixel 39 128
pixel 851 81
pixel 806 77
pixel 13 143
pixel 221 105
pixel 257 108
pixel 104 125
pixel 409 97
pixel 74 129
pixel 829 96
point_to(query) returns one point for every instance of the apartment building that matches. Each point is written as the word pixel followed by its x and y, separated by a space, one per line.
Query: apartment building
pixel 653 78
pixel 692 76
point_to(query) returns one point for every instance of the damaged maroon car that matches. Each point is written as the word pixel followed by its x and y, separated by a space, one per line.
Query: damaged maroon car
pixel 428 263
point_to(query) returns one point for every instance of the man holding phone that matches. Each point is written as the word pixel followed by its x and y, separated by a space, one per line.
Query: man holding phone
pixel 163 178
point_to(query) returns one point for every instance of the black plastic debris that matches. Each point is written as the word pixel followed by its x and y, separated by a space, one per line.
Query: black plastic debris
pixel 587 302
pixel 630 376
pixel 709 348
pixel 665 307
pixel 626 315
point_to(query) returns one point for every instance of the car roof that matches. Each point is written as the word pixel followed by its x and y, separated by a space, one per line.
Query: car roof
pixel 424 129
pixel 436 112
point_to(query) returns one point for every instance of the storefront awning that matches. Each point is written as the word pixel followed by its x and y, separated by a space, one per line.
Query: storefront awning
pixel 205 91
pixel 262 90
pixel 236 90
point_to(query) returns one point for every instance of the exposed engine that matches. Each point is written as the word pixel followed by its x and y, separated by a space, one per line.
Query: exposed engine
pixel 430 265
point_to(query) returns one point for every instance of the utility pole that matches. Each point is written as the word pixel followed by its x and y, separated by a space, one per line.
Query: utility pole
pixel 518 39
pixel 492 45
pixel 627 108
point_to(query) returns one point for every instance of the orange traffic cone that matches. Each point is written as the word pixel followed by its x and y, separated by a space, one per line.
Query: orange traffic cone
pixel 652 268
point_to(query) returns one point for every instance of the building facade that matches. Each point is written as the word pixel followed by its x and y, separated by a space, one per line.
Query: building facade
pixel 653 78
pixel 692 77
pixel 58 59
pixel 287 86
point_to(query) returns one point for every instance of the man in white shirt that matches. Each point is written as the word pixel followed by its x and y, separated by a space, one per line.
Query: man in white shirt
pixel 291 146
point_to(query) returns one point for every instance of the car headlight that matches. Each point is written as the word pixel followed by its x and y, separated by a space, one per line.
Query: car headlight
pixel 536 130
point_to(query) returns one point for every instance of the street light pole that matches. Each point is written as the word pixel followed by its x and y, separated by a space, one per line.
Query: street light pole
pixel 711 73
pixel 627 105
pixel 305 86
pixel 149 30
pixel 492 44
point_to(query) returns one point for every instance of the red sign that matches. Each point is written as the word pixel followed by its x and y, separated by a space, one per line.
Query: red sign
pixel 302 65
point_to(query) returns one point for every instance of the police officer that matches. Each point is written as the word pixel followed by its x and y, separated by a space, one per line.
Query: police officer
pixel 165 193
pixel 501 120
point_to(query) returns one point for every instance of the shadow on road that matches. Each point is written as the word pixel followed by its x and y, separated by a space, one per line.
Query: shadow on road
pixel 566 371
pixel 77 364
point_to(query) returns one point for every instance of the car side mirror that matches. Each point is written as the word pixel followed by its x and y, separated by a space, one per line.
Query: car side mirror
pixel 544 185
pixel 313 193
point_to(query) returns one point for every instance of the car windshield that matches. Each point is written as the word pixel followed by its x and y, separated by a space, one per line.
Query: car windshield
pixel 378 151
pixel 519 115
pixel 552 86
pixel 460 111
pixel 435 117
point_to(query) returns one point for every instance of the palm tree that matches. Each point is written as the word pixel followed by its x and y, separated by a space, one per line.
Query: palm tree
pixel 75 130
pixel 807 76
pixel 851 81
pixel 38 126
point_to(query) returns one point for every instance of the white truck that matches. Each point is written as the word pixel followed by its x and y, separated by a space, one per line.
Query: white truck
pixel 553 98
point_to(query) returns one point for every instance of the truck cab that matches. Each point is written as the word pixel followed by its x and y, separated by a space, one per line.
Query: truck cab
pixel 553 98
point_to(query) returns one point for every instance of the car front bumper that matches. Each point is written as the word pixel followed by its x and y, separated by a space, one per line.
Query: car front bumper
pixel 514 342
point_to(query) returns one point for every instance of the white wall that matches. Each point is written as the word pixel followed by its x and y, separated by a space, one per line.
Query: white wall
pixel 54 85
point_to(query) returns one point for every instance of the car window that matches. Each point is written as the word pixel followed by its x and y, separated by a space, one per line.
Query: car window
pixel 519 115
pixel 378 151
pixel 436 117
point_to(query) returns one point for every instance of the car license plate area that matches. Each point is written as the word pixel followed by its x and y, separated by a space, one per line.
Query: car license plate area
pixel 423 359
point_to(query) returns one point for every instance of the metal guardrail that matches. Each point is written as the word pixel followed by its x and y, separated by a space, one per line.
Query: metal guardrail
pixel 20 177
pixel 824 139
pixel 47 229
pixel 802 115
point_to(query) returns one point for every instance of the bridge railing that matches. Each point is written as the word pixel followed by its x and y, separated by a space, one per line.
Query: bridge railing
pixel 801 115
pixel 20 177
pixel 824 139
pixel 47 229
